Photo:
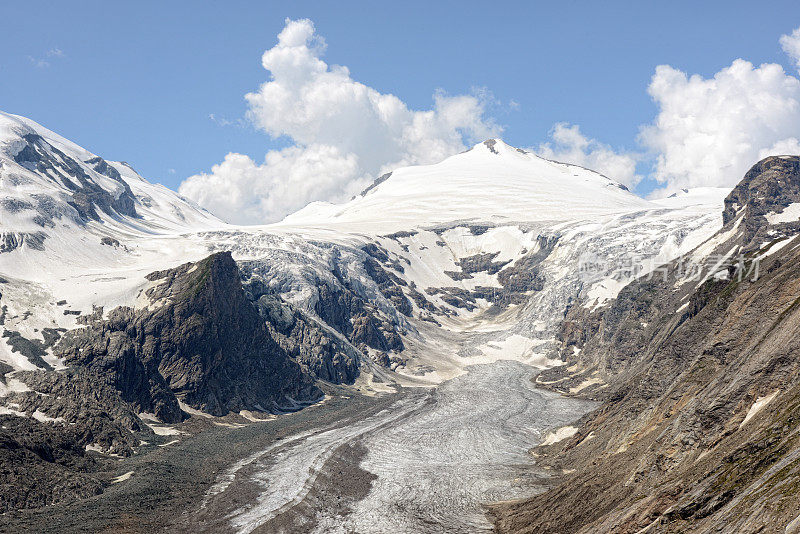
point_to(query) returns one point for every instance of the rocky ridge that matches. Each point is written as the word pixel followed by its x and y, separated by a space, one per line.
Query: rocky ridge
pixel 698 374
pixel 196 338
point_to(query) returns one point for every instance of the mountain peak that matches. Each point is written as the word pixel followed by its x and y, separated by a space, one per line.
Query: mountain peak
pixel 491 182
pixel 496 146
pixel 767 199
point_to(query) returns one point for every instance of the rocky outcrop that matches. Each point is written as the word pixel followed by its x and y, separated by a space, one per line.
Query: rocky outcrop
pixel 477 263
pixel 700 383
pixel 770 186
pixel 79 399
pixel 319 351
pixel 517 281
pixel 53 423
pixel 199 340
pixel 11 241
pixel 358 320
pixel 42 465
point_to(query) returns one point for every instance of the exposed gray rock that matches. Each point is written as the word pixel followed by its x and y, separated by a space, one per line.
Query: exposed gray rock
pixel 378 181
pixel 10 241
pixel 772 184
pixel 45 462
pixel 85 402
pixel 41 465
pixel 202 342
pixel 320 352
pixel 679 367
pixel 87 195
pixel 476 264
pixel 32 349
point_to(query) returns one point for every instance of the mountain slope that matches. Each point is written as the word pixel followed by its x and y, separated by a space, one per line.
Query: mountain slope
pixel 198 340
pixel 699 428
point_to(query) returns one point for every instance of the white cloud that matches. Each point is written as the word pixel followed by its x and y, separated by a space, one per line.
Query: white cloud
pixel 569 145
pixel 784 147
pixel 791 45
pixel 345 134
pixel 710 131
pixel 222 121
pixel 240 191
pixel 43 62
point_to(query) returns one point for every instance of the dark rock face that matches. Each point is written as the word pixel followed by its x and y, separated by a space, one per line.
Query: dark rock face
pixel 672 448
pixel 769 186
pixel 319 352
pixel 378 181
pixel 93 410
pixel 200 341
pixel 390 286
pixel 476 264
pixel 10 241
pixel 357 320
pixel 524 275
pixel 517 280
pixel 382 256
pixel 33 349
pixel 87 195
pixel 45 462
pixel 41 465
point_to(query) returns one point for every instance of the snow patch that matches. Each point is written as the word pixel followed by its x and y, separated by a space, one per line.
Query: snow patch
pixel 790 213
pixel 44 418
pixel 585 384
pixel 122 478
pixel 164 430
pixel 559 435
pixel 757 406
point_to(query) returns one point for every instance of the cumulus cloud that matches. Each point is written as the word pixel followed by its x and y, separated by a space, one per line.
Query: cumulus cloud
pixel 344 133
pixel 709 131
pixel 569 145
pixel 241 191
pixel 791 45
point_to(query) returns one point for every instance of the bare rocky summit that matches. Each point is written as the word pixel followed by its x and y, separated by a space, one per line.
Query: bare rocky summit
pixel 198 340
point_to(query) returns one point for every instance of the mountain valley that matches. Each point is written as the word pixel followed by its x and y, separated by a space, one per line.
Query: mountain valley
pixel 497 331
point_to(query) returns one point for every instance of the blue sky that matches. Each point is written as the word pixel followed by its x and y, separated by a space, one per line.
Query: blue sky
pixel 138 81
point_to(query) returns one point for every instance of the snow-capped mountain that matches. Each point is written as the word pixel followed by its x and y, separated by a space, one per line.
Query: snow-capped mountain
pixel 427 271
pixel 484 240
pixel 491 182
pixel 63 207
pixel 52 183
pixel 111 284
